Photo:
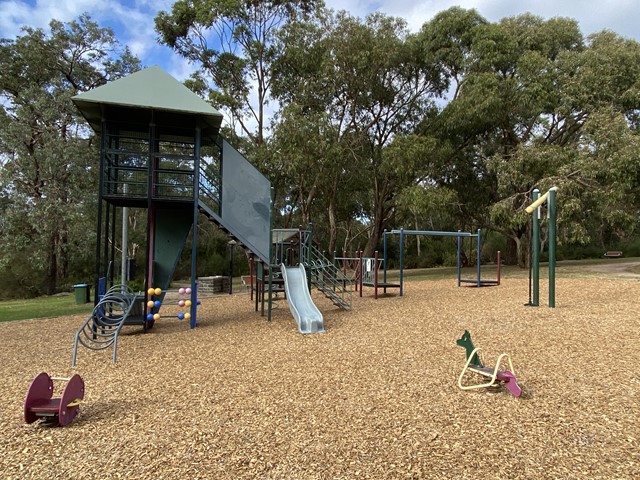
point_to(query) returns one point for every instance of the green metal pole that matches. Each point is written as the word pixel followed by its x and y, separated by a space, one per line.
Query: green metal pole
pixel 478 254
pixel 552 246
pixel 310 258
pixel 194 242
pixel 459 238
pixel 270 255
pixel 535 234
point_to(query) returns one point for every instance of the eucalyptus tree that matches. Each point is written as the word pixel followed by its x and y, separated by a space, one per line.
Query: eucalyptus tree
pixel 48 173
pixel 233 45
pixel 373 83
pixel 580 141
pixel 525 89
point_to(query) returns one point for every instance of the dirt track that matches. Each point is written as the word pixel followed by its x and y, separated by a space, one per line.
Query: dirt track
pixel 626 269
pixel 374 397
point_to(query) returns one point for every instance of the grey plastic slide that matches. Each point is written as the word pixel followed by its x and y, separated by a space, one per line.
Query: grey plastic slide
pixel 302 308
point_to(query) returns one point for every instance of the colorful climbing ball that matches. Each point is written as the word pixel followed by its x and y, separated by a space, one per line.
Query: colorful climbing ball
pixel 158 291
pixel 150 304
pixel 150 316
pixel 181 316
pixel 151 291
pixel 187 316
pixel 157 303
pixel 187 290
pixel 188 303
pixel 181 303
pixel 156 316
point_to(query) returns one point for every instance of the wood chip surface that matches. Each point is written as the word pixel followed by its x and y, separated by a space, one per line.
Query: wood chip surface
pixel 375 397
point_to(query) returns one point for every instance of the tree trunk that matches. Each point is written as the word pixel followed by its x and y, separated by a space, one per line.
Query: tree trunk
pixel 333 228
pixel 511 255
pixel 377 231
pixel 52 267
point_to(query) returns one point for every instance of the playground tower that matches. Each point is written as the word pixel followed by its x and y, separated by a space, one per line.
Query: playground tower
pixel 161 150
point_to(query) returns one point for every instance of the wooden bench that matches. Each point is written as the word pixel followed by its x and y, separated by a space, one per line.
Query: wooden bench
pixel 613 253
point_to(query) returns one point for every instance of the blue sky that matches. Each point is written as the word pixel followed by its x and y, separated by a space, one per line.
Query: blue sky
pixel 132 20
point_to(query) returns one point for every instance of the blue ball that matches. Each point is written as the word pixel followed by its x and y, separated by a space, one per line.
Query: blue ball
pixel 157 303
pixel 150 316
pixel 181 316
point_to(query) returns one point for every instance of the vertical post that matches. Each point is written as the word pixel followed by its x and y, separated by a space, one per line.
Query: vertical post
pixel 360 269
pixel 499 266
pixel 230 245
pixel 270 300
pixel 151 208
pixel 459 257
pixel 551 205
pixel 401 261
pixel 125 240
pixel 194 241
pixel 309 255
pixel 375 275
pixel 535 247
pixel 478 255
pixel 384 255
pixel 112 254
pixel 103 165
pixel 253 283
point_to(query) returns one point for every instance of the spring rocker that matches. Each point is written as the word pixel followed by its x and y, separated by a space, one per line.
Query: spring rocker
pixel 53 411
pixel 494 377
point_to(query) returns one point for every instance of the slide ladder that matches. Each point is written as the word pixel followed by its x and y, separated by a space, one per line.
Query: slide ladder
pixel 101 329
pixel 304 311
pixel 330 280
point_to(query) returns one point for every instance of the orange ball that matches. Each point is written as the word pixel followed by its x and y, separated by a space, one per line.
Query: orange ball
pixel 158 291
pixel 187 303
pixel 150 304
pixel 156 316
pixel 150 291
pixel 187 316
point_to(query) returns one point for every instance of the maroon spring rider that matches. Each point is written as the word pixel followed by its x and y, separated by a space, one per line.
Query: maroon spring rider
pixel 39 404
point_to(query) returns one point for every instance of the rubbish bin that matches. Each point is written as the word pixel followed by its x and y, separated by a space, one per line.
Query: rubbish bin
pixel 82 292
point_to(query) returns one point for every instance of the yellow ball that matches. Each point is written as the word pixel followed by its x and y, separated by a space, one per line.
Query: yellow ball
pixel 156 316
pixel 187 316
pixel 150 304
pixel 150 291
pixel 158 291
pixel 187 303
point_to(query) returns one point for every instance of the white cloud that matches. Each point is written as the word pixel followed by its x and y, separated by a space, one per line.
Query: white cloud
pixel 592 15
pixel 133 20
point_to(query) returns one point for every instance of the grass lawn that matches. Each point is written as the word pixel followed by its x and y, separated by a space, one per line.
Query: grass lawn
pixel 61 305
pixel 42 307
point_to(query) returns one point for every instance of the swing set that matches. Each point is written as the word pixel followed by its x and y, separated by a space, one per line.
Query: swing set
pixel 459 235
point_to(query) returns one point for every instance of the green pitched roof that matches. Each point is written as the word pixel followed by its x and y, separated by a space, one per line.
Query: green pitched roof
pixel 148 90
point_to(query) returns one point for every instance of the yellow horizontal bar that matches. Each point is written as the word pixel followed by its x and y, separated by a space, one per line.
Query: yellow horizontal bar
pixel 537 203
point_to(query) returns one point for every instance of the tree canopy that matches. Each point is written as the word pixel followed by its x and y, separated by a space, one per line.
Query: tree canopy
pixel 48 174
pixel 360 124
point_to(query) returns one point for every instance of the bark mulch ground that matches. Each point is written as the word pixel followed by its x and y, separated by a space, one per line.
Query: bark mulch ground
pixel 376 396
